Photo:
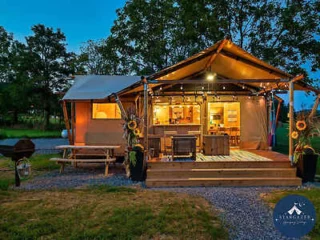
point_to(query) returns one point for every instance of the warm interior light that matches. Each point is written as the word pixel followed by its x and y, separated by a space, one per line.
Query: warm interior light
pixel 211 76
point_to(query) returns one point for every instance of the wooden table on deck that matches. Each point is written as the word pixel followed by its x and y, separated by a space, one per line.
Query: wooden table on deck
pixel 107 152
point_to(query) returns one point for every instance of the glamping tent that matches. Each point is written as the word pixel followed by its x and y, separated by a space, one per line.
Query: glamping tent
pixel 95 119
pixel 221 90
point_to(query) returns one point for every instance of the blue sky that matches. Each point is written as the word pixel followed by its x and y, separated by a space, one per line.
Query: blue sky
pixel 80 21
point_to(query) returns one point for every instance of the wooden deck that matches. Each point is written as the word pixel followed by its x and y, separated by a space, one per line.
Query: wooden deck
pixel 271 169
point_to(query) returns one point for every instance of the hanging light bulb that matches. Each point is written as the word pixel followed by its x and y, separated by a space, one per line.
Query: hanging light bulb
pixel 223 87
pixel 160 88
pixel 243 87
pixel 202 87
pixel 211 76
pixel 181 87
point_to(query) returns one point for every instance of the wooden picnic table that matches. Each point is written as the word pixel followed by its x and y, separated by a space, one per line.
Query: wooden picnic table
pixel 106 151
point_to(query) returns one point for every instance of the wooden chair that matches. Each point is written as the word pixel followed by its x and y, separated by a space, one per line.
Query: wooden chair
pixel 167 141
pixel 234 136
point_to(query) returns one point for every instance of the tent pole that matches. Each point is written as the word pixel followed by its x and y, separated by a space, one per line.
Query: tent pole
pixel 145 117
pixel 73 122
pixel 314 108
pixel 291 120
pixel 66 120
pixel 278 111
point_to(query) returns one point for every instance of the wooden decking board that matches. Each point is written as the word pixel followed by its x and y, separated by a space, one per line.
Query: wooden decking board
pixel 241 171
pixel 205 165
pixel 222 173
pixel 223 182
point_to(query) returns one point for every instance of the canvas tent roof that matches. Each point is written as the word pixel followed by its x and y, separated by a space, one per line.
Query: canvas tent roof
pixel 229 61
pixel 88 87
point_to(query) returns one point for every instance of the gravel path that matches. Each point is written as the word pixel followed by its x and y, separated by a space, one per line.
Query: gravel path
pixel 243 212
pixel 78 178
pixel 43 145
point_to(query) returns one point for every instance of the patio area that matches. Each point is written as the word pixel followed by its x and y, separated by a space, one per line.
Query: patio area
pixel 236 155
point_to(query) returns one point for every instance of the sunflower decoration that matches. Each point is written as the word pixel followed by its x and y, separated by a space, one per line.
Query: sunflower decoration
pixel 136 132
pixel 132 124
pixel 304 127
pixel 301 125
pixel 295 135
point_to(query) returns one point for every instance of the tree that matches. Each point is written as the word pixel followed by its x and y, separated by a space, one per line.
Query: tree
pixel 282 33
pixel 49 68
pixel 149 35
pixel 5 44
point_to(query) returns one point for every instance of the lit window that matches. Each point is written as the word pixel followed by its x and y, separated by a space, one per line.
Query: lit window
pixel 176 114
pixel 105 111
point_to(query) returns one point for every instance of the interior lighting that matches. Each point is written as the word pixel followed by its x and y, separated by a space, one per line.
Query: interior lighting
pixel 211 76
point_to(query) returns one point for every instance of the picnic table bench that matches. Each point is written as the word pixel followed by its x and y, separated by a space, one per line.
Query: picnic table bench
pixel 75 152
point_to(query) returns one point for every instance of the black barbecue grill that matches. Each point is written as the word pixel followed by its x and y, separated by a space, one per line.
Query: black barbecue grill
pixel 23 148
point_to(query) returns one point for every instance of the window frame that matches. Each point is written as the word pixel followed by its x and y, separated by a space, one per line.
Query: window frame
pixel 91 110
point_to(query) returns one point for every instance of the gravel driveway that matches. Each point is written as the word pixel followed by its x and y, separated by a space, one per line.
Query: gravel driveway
pixel 79 178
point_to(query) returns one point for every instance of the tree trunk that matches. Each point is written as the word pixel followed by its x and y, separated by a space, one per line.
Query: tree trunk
pixel 15 117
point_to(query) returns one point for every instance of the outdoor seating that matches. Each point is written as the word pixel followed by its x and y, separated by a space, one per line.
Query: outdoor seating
pixel 77 156
pixel 234 136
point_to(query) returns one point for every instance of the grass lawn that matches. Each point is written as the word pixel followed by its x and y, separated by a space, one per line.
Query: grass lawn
pixel 106 213
pixel 312 194
pixel 30 133
pixel 40 164
pixel 282 141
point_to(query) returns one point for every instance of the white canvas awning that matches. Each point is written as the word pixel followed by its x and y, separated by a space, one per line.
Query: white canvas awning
pixel 88 87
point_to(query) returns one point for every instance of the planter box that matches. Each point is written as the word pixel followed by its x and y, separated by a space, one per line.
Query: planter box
pixel 306 167
pixel 138 172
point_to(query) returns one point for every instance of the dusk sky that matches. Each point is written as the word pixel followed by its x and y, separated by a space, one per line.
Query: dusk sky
pixel 79 20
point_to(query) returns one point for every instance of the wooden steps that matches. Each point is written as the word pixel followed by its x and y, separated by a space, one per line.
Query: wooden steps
pixel 244 173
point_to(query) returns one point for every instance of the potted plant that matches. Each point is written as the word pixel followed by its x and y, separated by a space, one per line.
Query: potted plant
pixel 305 157
pixel 134 159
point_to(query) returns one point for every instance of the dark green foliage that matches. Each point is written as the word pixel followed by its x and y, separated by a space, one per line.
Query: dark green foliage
pixel 149 35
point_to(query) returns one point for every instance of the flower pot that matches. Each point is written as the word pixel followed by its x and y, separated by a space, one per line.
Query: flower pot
pixel 306 167
pixel 138 171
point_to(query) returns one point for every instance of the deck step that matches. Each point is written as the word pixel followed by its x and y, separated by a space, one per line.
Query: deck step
pixel 219 165
pixel 184 182
pixel 220 173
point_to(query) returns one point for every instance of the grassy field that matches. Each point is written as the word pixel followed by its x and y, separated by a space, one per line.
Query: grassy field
pixel 40 164
pixel 30 133
pixel 282 141
pixel 312 194
pixel 107 213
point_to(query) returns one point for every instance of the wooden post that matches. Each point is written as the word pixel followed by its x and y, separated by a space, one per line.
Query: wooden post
pixel 73 121
pixel 278 111
pixel 314 108
pixel 66 120
pixel 291 119
pixel 145 117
